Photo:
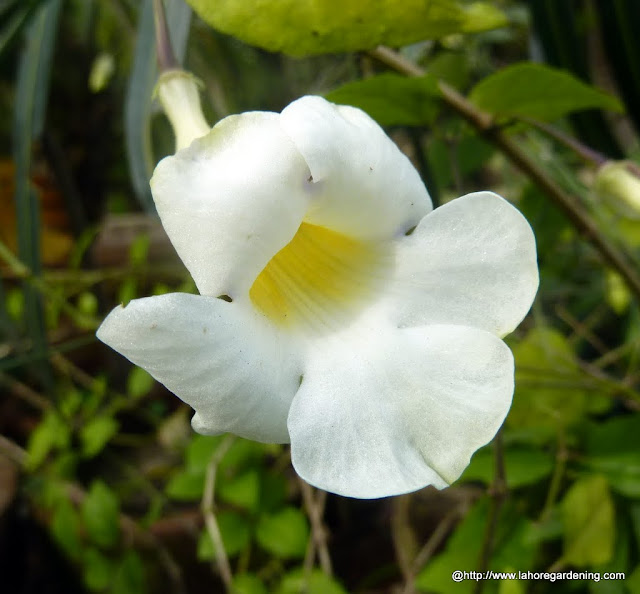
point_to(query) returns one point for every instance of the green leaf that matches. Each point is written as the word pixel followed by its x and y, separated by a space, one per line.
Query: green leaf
pixel 242 454
pixel 129 576
pixel 633 580
pixel 304 27
pixel 95 435
pixel 98 569
pixel 186 485
pixel 391 99
pixel 65 528
pixel 273 491
pixel 52 432
pixel 612 450
pixel 247 583
pixel 589 523
pixel 316 582
pixel 284 533
pixel 235 532
pixel 139 382
pixel 537 91
pixel 199 452
pixel 548 392
pixel 522 466
pixel 101 515
pixel 242 491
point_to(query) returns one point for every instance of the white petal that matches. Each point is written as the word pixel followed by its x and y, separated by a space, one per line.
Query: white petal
pixel 232 200
pixel 363 185
pixel 220 359
pixel 471 262
pixel 379 416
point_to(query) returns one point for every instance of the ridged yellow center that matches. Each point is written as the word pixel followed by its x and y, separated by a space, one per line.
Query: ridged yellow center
pixel 319 279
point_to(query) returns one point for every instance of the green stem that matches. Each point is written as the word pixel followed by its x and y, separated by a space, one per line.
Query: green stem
pixel 484 124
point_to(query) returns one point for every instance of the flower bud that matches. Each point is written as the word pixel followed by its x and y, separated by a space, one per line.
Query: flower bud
pixel 619 184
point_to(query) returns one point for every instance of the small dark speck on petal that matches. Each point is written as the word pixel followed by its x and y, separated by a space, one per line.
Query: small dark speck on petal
pixel 410 231
pixel 225 298
pixel 204 330
pixel 153 326
pixel 370 168
pixel 310 178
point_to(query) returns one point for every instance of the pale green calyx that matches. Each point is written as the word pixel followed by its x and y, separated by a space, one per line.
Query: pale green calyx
pixel 179 95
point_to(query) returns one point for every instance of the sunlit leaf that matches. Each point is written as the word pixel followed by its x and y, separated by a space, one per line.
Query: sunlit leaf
pixel 303 27
pixel 52 432
pixel 95 435
pixel 589 523
pixel 100 514
pixel 548 382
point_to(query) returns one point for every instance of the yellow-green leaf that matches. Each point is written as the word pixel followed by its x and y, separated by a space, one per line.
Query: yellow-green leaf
pixel 305 27
pixel 589 522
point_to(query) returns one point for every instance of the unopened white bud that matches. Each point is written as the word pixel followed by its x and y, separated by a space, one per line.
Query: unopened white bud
pixel 179 95
pixel 617 184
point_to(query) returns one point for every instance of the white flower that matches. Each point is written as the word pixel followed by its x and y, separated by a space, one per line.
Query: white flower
pixel 373 350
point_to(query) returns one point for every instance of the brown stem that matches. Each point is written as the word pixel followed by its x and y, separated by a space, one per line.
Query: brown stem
pixel 166 58
pixel 318 541
pixel 586 152
pixel 484 124
pixel 208 513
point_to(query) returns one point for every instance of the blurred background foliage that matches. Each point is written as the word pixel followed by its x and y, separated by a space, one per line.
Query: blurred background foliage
pixel 103 486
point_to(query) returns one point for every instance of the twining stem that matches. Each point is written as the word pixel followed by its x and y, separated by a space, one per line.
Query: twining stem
pixel 208 512
pixel 484 124
pixel 318 540
pixel 586 152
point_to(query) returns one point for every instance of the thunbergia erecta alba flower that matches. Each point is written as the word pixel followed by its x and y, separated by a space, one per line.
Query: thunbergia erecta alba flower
pixel 337 311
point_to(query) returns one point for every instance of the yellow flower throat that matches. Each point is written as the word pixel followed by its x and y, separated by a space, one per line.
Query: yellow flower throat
pixel 319 278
